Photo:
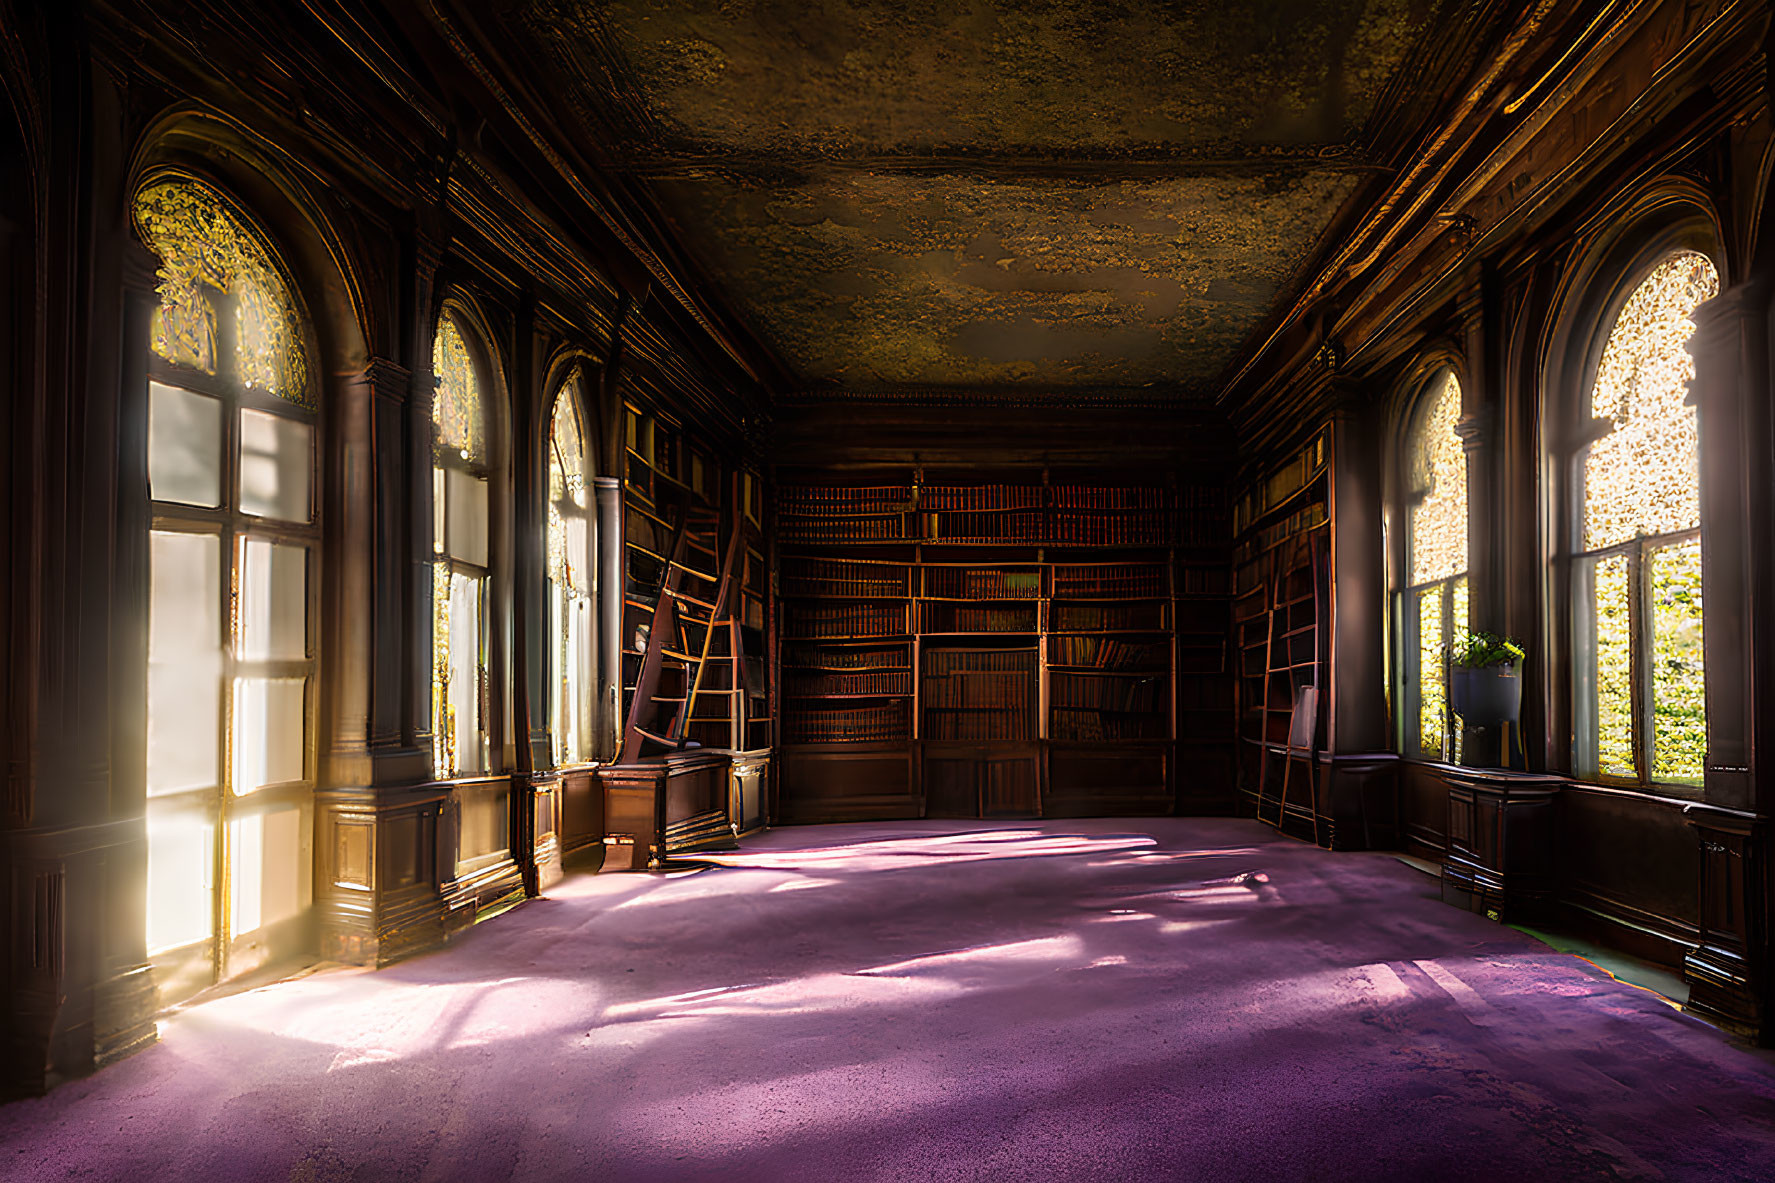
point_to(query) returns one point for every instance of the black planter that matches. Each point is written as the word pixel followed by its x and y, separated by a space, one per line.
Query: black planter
pixel 1487 696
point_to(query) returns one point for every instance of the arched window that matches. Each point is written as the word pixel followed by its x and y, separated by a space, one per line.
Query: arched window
pixel 1434 604
pixel 461 743
pixel 1639 702
pixel 571 672
pixel 234 577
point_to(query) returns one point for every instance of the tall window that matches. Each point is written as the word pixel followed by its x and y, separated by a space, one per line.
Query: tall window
pixel 1639 702
pixel 570 584
pixel 1434 604
pixel 460 741
pixel 234 556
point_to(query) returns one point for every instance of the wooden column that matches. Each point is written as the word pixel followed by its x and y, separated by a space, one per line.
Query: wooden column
pixel 376 816
pixel 609 584
pixel 1359 779
pixel 1729 972
pixel 124 1003
pixel 413 581
pixel 1484 468
pixel 1731 394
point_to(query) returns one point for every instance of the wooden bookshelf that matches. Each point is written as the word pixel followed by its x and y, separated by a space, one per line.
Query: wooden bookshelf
pixel 1041 644
pixel 695 596
pixel 1281 613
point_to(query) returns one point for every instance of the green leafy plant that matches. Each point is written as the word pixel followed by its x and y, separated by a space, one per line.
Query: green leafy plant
pixel 1475 650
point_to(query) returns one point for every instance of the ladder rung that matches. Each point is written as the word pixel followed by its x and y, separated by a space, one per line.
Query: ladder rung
pixel 692 658
pixel 689 599
pixel 646 734
pixel 665 698
pixel 693 571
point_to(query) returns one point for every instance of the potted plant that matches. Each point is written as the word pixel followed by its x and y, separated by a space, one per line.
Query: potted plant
pixel 1486 679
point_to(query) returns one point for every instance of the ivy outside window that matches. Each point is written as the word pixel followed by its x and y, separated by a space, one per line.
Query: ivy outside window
pixel 1639 696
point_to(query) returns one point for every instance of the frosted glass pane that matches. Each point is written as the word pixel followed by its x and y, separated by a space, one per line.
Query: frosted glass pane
pixel 268 732
pixel 579 567
pixel 269 864
pixel 181 864
pixel 570 691
pixel 184 446
pixel 1679 693
pixel 467 725
pixel 1612 652
pixel 185 594
pixel 276 458
pixel 465 519
pixel 273 601
pixel 184 661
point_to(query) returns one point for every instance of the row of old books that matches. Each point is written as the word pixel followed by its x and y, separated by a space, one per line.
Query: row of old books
pixel 1108 653
pixel 1132 696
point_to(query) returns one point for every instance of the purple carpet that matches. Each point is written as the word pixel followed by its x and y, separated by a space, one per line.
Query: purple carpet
pixel 1161 999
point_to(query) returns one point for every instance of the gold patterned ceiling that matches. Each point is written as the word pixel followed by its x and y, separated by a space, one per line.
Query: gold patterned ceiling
pixel 904 195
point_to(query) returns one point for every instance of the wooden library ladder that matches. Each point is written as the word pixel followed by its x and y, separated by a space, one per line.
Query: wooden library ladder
pixel 722 620
pixel 668 637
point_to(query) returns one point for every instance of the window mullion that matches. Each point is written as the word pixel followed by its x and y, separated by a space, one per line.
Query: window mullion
pixel 1640 637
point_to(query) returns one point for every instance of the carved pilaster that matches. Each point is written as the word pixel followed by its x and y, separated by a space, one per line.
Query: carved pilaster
pixel 1730 347
pixel 395 667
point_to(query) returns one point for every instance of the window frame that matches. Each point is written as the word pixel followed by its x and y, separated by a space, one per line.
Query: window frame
pixel 471 328
pixel 1583 431
pixel 233 527
pixel 1428 382
pixel 569 384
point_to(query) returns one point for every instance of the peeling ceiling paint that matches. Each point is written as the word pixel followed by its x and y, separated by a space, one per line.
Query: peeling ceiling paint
pixel 873 280
pixel 910 193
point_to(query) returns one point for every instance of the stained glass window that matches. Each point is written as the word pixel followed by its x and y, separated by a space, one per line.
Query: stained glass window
pixel 1641 696
pixel 1435 480
pixel 223 298
pixel 456 407
pixel 570 584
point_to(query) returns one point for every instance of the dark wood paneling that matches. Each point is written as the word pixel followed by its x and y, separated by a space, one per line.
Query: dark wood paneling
pixel 1629 857
pixel 845 782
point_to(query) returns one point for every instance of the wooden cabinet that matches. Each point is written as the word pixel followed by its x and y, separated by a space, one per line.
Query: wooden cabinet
pixel 1500 842
pixel 654 809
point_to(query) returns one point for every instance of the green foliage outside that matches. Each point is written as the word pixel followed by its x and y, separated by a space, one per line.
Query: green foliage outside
pixel 1679 697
